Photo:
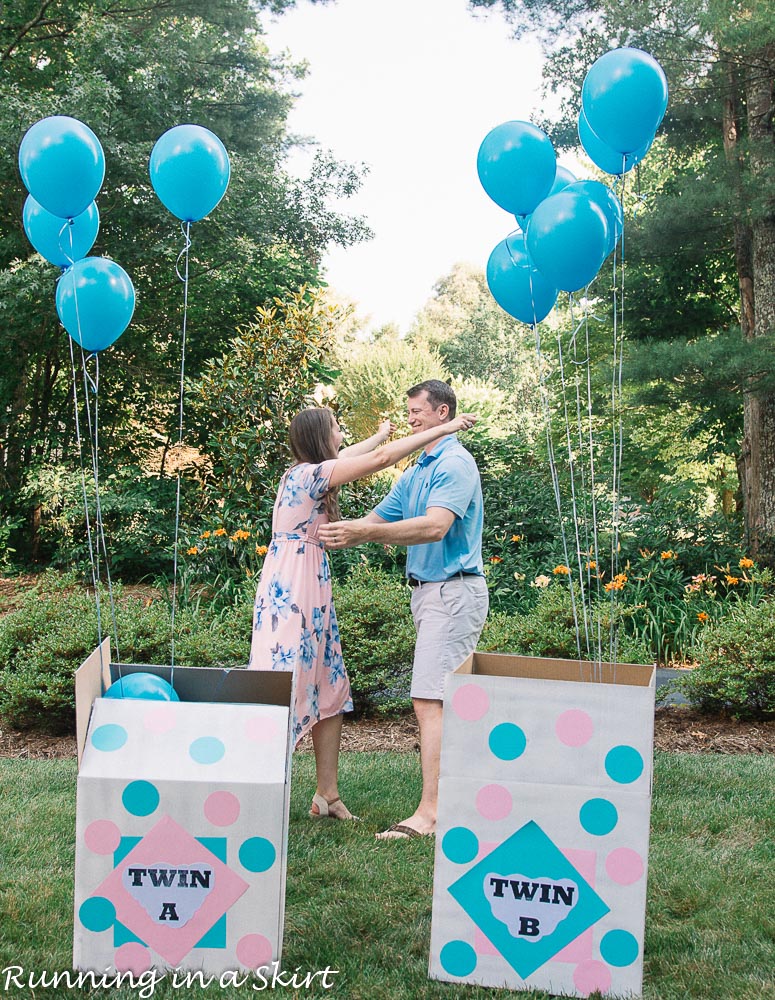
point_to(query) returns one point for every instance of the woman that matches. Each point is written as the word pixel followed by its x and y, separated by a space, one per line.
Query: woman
pixel 294 624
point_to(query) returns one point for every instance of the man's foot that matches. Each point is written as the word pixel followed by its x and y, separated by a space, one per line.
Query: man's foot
pixel 331 808
pixel 405 831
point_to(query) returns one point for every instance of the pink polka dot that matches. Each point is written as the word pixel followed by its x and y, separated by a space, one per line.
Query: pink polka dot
pixel 160 719
pixel 134 958
pixel 261 729
pixel 590 976
pixel 494 802
pixel 574 728
pixel 254 950
pixel 624 865
pixel 102 836
pixel 470 702
pixel 222 808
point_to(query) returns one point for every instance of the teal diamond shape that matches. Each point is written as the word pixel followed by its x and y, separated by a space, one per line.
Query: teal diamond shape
pixel 542 902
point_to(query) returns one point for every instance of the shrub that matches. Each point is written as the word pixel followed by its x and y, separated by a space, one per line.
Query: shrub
pixel 550 629
pixel 377 632
pixel 735 670
pixel 53 630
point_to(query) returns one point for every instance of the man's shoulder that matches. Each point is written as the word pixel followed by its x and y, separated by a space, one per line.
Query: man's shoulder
pixel 456 455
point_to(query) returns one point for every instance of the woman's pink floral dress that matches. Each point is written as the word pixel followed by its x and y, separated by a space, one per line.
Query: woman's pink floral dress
pixel 294 622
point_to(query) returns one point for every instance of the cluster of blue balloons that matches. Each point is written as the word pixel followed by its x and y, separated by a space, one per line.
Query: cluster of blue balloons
pixel 568 227
pixel 62 164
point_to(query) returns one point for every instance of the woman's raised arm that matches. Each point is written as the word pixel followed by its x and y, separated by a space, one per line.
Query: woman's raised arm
pixel 347 470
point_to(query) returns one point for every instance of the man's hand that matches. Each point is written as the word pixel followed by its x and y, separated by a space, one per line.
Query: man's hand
pixel 341 534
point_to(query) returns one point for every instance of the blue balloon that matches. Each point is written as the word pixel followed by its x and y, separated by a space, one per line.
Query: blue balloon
pixel 189 169
pixel 62 165
pixel 607 159
pixel 562 179
pixel 516 164
pixel 567 239
pixel 60 241
pixel 142 685
pixel 610 205
pixel 624 97
pixel 516 285
pixel 95 300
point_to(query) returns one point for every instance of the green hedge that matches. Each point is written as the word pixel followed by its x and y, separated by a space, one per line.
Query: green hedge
pixel 53 628
pixel 735 670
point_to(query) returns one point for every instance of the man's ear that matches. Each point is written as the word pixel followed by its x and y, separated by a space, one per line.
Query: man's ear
pixel 443 412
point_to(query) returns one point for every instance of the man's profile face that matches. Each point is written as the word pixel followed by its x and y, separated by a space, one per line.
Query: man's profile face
pixel 421 414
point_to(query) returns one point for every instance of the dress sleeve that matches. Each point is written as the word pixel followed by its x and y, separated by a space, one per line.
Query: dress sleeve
pixel 315 479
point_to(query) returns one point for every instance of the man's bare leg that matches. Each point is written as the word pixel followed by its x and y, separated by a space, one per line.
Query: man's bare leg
pixel 423 819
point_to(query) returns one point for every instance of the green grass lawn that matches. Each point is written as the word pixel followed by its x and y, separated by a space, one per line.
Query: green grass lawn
pixel 364 908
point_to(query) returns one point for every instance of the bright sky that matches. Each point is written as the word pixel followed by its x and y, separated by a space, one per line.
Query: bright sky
pixel 410 87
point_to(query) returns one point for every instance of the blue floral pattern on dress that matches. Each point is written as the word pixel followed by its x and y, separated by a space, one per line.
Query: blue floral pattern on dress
pixel 294 621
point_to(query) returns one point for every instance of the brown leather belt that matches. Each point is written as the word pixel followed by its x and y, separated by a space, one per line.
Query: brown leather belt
pixel 414 582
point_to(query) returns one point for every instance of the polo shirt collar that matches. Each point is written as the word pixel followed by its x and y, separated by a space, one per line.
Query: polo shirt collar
pixel 441 445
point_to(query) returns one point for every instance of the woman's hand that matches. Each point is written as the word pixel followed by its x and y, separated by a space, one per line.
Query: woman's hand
pixel 463 422
pixel 386 429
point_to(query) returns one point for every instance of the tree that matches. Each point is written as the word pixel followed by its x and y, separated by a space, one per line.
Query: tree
pixel 720 61
pixel 245 399
pixel 479 342
pixel 131 71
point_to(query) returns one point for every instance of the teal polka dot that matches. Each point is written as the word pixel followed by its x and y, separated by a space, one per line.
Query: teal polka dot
pixel 623 764
pixel 619 948
pixel 207 750
pixel 458 958
pixel 598 817
pixel 140 798
pixel 507 741
pixel 460 845
pixel 109 737
pixel 257 854
pixel 97 914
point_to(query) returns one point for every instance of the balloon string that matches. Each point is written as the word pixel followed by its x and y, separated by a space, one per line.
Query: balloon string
pixel 183 255
pixel 572 472
pixel 90 543
pixel 617 425
pixel 94 385
pixel 544 395
pixel 68 256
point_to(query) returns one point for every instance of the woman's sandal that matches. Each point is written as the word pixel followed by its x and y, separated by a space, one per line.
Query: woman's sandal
pixel 323 808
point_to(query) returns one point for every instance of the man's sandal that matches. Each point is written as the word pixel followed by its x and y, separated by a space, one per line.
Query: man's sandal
pixel 400 831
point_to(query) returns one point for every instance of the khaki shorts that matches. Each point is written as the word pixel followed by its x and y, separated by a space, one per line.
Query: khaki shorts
pixel 449 618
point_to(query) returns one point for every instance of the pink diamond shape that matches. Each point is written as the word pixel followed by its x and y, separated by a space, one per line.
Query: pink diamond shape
pixel 169 843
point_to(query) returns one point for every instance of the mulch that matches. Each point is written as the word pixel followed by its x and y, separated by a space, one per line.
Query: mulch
pixel 676 728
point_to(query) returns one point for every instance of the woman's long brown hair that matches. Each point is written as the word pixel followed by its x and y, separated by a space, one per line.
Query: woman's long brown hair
pixel 310 436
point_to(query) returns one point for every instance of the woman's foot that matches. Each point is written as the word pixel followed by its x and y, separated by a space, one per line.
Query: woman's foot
pixel 331 808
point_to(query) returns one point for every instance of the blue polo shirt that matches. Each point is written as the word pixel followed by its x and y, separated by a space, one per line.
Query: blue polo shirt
pixel 447 477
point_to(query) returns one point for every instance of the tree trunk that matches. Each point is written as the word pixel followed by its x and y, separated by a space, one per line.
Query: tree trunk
pixel 759 416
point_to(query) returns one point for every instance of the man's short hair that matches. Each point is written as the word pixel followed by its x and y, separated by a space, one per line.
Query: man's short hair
pixel 438 392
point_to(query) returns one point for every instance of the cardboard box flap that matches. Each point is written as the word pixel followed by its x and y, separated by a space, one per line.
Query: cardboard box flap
pixel 214 743
pixel 91 680
pixel 546 668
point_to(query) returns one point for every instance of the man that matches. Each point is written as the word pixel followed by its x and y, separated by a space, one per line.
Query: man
pixel 436 510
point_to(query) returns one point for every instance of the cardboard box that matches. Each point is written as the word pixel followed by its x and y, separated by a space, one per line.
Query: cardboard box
pixel 182 820
pixel 543 828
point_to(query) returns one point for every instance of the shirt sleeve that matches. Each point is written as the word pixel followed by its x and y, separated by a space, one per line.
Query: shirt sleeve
pixel 453 486
pixel 392 507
